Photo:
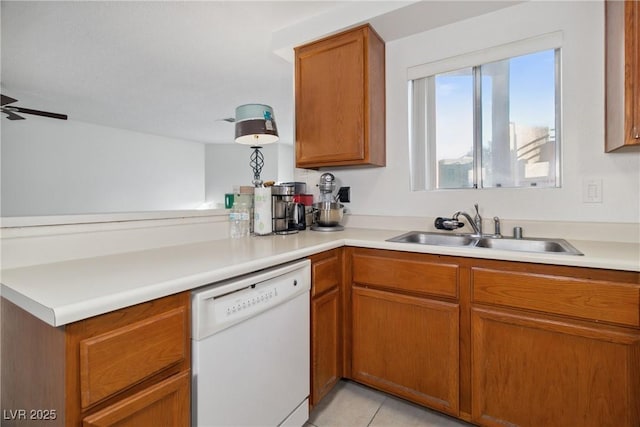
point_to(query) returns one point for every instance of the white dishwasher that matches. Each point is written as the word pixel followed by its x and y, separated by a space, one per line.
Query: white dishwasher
pixel 251 349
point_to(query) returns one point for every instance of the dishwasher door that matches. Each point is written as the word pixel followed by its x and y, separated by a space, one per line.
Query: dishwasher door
pixel 252 367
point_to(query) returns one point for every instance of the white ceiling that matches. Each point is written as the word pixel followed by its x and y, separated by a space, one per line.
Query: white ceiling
pixel 175 68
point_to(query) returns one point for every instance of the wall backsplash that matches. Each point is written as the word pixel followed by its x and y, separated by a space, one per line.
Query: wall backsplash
pixel 44 171
pixel 386 191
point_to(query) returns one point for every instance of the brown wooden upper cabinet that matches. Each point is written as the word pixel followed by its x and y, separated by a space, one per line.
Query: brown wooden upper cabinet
pixel 622 74
pixel 340 100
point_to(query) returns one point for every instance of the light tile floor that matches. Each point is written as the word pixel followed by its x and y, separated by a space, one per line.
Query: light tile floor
pixel 353 405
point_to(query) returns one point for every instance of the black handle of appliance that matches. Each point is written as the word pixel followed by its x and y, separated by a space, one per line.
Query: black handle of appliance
pixel 447 224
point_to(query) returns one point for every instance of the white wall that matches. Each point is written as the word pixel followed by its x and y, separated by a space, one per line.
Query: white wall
pixel 386 191
pixel 52 167
pixel 286 162
pixel 227 165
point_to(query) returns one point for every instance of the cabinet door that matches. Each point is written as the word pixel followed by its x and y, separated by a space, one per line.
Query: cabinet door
pixel 340 100
pixel 529 371
pixel 164 404
pixel 622 23
pixel 632 51
pixel 326 323
pixel 407 346
pixel 325 344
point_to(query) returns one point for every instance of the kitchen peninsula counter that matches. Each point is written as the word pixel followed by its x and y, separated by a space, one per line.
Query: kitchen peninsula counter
pixel 64 292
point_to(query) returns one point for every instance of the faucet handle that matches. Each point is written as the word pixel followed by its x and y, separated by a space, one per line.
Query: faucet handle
pixel 477 219
pixel 496 225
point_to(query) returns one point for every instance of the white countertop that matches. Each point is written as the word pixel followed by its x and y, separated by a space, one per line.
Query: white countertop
pixel 65 292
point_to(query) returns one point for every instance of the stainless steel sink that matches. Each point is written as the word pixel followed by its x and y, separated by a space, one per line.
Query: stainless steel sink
pixel 528 245
pixel 438 239
pixel 557 246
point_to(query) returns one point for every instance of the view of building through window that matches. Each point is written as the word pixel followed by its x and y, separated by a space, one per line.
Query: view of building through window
pixel 493 125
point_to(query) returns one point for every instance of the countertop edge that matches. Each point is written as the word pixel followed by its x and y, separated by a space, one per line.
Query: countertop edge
pixel 65 314
pixel 70 310
pixel 504 255
pixel 46 314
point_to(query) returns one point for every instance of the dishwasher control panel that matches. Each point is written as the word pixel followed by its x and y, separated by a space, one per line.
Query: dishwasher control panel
pixel 226 303
pixel 246 301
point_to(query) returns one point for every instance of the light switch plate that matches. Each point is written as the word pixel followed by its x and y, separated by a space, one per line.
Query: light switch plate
pixel 592 191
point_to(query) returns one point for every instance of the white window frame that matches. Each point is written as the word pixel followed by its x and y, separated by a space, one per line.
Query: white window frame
pixel 422 168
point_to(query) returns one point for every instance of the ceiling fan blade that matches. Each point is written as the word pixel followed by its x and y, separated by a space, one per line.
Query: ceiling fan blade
pixel 4 100
pixel 11 115
pixel 40 113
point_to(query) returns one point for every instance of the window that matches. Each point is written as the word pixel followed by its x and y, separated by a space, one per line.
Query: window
pixel 486 126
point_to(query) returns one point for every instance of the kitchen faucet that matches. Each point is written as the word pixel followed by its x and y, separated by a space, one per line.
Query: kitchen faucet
pixel 478 219
pixel 477 231
pixel 454 223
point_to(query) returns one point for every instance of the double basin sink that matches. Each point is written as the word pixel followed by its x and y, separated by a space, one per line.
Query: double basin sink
pixel 539 245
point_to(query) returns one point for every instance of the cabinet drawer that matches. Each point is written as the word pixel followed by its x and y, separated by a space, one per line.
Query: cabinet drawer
pixel 117 359
pixel 598 300
pixel 325 274
pixel 166 403
pixel 404 274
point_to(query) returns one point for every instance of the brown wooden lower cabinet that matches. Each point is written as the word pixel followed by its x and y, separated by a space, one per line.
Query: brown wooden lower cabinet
pixel 496 343
pixel 326 323
pixel 326 360
pixel 534 371
pixel 554 346
pixel 405 326
pixel 407 346
pixel 129 367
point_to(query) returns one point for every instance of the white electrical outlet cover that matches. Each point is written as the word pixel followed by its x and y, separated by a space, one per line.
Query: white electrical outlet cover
pixel 592 191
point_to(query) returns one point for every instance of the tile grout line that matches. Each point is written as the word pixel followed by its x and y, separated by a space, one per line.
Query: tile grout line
pixel 377 410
